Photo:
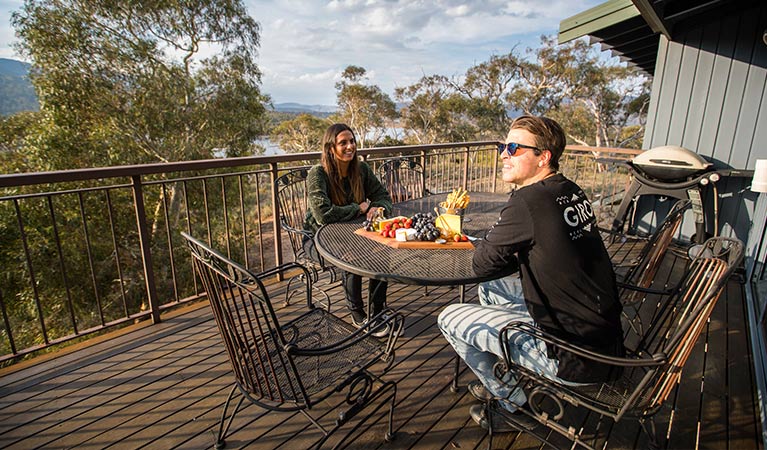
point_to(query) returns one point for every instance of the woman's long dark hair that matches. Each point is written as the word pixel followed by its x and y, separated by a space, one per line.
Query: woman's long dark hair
pixel 329 163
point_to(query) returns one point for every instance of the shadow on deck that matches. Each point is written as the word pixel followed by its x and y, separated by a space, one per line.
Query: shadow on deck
pixel 163 387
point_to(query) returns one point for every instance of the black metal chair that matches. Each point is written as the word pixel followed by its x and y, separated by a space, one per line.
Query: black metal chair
pixel 645 377
pixel 632 255
pixel 293 201
pixel 403 178
pixel 293 366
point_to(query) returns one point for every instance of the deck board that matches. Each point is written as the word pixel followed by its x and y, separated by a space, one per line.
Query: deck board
pixel 163 386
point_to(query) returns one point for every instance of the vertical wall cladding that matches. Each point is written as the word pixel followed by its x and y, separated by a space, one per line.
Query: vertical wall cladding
pixel 710 95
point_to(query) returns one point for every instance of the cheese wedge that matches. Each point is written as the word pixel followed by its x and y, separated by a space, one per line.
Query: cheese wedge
pixel 448 224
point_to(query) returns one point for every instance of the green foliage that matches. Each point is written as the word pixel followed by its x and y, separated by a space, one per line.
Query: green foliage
pixel 123 82
pixel 301 134
pixel 597 103
pixel 14 133
pixel 389 141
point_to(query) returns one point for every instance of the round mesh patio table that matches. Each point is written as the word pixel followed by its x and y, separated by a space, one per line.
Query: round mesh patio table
pixel 354 253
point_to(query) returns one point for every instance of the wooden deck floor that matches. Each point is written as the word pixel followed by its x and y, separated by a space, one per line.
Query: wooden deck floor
pixel 163 386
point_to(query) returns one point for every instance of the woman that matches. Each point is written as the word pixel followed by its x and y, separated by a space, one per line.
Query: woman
pixel 342 188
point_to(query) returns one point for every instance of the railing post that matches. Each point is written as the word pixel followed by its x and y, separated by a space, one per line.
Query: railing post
pixel 495 172
pixel 276 218
pixel 466 169
pixel 146 249
pixel 425 171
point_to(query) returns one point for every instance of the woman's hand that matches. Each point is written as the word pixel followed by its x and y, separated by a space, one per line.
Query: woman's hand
pixel 372 212
pixel 364 208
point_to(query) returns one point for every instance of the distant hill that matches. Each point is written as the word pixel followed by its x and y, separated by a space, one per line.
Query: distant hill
pixel 299 108
pixel 16 92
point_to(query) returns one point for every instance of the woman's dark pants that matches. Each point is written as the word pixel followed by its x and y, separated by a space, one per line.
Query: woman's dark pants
pixel 353 288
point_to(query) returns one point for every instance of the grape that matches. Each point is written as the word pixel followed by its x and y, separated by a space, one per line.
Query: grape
pixel 424 226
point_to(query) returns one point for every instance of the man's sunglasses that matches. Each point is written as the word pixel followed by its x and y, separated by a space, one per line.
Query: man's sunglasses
pixel 512 148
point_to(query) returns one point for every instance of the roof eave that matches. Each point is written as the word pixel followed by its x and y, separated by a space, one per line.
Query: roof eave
pixel 596 18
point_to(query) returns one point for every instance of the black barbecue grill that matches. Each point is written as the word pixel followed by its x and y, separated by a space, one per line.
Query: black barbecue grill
pixel 669 171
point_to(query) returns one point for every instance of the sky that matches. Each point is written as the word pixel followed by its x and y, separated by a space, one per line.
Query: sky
pixel 305 45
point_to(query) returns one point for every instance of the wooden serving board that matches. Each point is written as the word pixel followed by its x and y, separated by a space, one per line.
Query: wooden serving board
pixel 391 242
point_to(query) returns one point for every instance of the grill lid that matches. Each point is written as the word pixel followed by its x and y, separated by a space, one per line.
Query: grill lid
pixel 670 163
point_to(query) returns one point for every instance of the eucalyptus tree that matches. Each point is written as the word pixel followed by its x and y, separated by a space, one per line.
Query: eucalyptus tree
pixel 610 111
pixel 365 108
pixel 301 134
pixel 129 82
pixel 435 111
pixel 487 85
pixel 598 102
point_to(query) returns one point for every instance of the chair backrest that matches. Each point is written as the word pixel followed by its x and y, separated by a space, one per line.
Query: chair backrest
pixel 651 255
pixel 249 327
pixel 293 201
pixel 671 337
pixel 403 178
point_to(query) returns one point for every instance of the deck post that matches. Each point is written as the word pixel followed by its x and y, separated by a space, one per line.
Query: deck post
pixel 466 169
pixel 277 228
pixel 146 249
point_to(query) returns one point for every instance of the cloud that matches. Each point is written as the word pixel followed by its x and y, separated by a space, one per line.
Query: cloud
pixel 397 41
pixel 305 45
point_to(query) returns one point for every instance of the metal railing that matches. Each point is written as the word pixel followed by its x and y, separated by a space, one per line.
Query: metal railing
pixel 87 250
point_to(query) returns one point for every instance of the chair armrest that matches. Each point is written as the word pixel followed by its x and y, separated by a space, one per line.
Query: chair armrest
pixel 294 230
pixel 632 287
pixel 615 235
pixel 654 360
pixel 282 268
pixel 305 234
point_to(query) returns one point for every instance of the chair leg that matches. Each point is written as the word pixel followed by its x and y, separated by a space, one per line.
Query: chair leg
pixel 648 426
pixel 386 393
pixel 456 371
pixel 489 425
pixel 288 291
pixel 389 436
pixel 220 441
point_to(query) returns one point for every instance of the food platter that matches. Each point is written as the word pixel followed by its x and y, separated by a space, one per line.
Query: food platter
pixel 391 242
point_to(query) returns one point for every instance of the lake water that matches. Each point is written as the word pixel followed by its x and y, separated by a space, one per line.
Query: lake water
pixel 270 148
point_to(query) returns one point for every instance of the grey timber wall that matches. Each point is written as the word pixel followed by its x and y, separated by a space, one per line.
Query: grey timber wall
pixel 710 95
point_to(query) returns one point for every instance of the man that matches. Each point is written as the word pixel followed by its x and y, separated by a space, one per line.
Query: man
pixel 562 279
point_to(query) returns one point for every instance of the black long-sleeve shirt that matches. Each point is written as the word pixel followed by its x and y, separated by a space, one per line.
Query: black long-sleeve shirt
pixel 548 231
